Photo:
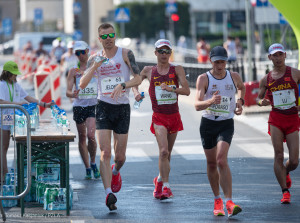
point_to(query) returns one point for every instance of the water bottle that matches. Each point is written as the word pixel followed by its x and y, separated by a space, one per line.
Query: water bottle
pixel 137 104
pixel 11 192
pixel 64 128
pixel 99 58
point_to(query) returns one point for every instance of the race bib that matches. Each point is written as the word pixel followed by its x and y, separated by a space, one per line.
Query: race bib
pixel 90 91
pixel 221 109
pixel 164 97
pixel 284 99
pixel 109 83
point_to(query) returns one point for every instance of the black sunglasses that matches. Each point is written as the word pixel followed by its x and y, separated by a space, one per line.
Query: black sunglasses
pixel 104 36
pixel 78 52
pixel 162 51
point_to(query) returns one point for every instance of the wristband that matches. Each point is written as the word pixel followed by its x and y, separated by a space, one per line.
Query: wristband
pixel 44 105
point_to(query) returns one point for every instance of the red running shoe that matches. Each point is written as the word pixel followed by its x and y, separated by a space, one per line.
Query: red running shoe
pixel 111 201
pixel 219 207
pixel 158 188
pixel 288 181
pixel 166 193
pixel 116 181
pixel 286 198
pixel 232 208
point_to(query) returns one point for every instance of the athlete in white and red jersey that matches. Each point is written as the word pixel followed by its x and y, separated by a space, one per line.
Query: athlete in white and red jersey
pixel 166 121
pixel 282 85
pixel 113 108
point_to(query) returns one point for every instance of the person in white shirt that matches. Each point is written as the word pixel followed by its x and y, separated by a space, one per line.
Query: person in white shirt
pixel 12 93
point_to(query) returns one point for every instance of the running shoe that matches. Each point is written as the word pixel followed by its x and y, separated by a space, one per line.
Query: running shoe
pixel 116 181
pixel 232 208
pixel 88 174
pixel 111 201
pixel 288 181
pixel 158 188
pixel 219 207
pixel 95 170
pixel 166 193
pixel 286 198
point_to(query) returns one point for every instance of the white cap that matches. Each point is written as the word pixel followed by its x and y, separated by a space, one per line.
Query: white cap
pixel 276 47
pixel 70 44
pixel 80 45
pixel 162 42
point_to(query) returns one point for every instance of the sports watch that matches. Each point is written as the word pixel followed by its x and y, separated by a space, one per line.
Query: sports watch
pixel 123 85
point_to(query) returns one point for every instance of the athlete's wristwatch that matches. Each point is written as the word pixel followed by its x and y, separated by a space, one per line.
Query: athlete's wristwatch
pixel 174 89
pixel 243 101
pixel 123 85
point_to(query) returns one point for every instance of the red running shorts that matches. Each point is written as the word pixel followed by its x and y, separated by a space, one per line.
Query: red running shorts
pixel 286 123
pixel 172 122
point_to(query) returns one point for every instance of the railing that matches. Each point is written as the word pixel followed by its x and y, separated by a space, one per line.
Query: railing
pixel 8 117
pixel 193 70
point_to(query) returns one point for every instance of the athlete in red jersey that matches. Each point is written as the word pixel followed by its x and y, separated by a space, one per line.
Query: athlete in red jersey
pixel 282 85
pixel 166 121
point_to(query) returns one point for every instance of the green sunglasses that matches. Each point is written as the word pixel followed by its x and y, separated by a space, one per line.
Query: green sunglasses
pixel 104 36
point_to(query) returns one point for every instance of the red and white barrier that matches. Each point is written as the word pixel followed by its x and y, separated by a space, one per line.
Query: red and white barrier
pixel 43 89
pixel 55 84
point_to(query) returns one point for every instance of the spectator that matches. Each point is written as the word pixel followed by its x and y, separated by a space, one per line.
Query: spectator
pixel 231 49
pixel 68 59
pixel 40 51
pixel 58 50
pixel 28 47
pixel 203 50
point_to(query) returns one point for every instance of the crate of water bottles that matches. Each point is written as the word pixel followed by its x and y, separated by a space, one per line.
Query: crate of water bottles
pixel 60 120
pixel 41 186
pixel 21 121
pixel 55 198
pixel 9 189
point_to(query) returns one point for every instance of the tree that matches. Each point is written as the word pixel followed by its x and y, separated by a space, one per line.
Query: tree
pixel 149 18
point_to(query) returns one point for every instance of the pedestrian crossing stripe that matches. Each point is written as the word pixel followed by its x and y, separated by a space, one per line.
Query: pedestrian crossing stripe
pixel 136 153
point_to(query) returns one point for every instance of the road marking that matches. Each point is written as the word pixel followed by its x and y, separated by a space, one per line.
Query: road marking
pixel 136 155
pixel 258 123
pixel 190 152
pixel 259 150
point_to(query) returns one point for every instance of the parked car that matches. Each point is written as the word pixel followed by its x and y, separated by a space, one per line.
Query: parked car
pixel 7 47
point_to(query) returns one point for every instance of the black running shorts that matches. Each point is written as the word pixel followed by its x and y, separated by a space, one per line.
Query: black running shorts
pixel 211 132
pixel 80 114
pixel 113 117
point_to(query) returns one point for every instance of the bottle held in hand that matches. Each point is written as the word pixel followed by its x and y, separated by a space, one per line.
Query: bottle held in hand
pixel 137 104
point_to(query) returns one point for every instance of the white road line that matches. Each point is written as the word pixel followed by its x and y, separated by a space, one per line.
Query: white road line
pixel 258 123
pixel 136 155
pixel 190 152
pixel 259 150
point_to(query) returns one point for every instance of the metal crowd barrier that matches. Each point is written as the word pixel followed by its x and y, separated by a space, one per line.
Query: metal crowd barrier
pixel 8 117
pixel 194 69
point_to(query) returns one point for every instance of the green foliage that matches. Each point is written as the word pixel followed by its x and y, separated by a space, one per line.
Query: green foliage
pixel 149 18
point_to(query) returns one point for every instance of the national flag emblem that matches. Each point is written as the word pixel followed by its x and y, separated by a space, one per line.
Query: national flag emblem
pixel 171 75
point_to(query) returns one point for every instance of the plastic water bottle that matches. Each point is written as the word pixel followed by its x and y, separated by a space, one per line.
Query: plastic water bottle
pixel 99 58
pixel 137 104
pixel 64 128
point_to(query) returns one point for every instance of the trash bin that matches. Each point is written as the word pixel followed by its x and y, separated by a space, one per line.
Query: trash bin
pixel 252 89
